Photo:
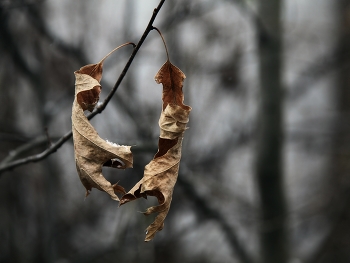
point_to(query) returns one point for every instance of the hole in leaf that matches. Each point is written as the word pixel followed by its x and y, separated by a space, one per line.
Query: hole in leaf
pixel 88 99
pixel 164 145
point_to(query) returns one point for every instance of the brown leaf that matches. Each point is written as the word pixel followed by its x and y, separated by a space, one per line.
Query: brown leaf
pixel 161 173
pixel 91 151
pixel 172 78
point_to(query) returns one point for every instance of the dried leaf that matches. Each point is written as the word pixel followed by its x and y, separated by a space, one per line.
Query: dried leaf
pixel 172 78
pixel 91 151
pixel 161 173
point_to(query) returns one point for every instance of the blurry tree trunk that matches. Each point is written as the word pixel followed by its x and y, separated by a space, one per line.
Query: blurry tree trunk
pixel 269 175
pixel 335 247
pixel 341 139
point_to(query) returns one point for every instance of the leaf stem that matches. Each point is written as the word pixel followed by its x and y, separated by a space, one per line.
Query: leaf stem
pixel 102 60
pixel 123 45
pixel 161 35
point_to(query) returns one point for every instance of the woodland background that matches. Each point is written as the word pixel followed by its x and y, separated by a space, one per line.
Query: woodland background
pixel 218 213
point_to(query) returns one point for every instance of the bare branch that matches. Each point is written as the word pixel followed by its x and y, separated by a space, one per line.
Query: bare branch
pixel 53 148
pixel 13 154
pixel 38 157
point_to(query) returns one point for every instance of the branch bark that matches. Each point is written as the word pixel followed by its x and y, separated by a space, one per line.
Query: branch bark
pixel 55 146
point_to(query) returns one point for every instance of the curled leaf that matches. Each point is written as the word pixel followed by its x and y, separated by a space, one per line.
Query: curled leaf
pixel 90 150
pixel 172 78
pixel 161 173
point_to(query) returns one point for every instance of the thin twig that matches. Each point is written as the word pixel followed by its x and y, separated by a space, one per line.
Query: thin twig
pixel 36 157
pixel 24 148
pixel 67 136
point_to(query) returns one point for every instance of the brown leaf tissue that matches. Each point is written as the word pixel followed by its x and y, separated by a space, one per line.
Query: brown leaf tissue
pixel 91 151
pixel 161 173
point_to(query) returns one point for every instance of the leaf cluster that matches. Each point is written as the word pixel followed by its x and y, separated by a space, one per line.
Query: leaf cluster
pixel 92 152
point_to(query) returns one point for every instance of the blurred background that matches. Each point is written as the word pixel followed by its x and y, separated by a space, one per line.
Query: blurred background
pixel 264 175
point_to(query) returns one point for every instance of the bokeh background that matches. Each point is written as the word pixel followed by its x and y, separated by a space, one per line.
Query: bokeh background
pixel 217 213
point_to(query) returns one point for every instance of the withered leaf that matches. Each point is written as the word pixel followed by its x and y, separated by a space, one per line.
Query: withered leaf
pixel 91 151
pixel 161 173
pixel 172 78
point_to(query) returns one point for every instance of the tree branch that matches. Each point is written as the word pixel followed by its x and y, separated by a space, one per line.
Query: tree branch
pixel 53 148
pixel 37 157
pixel 13 154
